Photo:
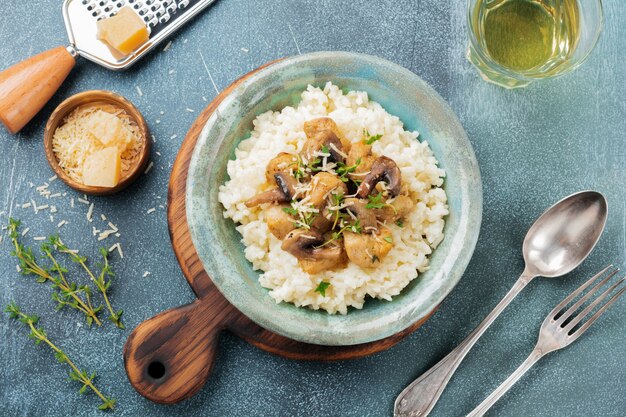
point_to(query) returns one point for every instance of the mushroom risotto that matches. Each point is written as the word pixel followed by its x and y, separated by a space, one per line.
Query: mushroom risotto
pixel 335 201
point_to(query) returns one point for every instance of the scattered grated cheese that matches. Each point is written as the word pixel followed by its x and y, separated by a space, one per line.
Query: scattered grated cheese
pixel 82 200
pixel 17 267
pixel 94 231
pixel 105 234
pixel 150 165
pixel 103 217
pixel 189 110
pixel 25 231
pixel 53 178
pixel 26 205
pixel 39 238
pixel 55 195
pixel 204 98
pixel 158 153
pixel 145 274
pixel 117 235
pixel 119 249
pixel 45 206
pixel 61 224
pixel 90 213
pixel 173 136
pixel 150 211
pixel 246 50
pixel 168 46
pixel 72 202
pixel 139 91
pixel 170 72
pixel 113 227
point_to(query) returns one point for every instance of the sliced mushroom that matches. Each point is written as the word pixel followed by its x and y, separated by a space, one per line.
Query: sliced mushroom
pixel 368 250
pixel 323 222
pixel 305 246
pixel 278 221
pixel 324 138
pixel 383 169
pixel 312 127
pixel 365 216
pixel 284 162
pixel 282 194
pixel 322 185
pixel 397 209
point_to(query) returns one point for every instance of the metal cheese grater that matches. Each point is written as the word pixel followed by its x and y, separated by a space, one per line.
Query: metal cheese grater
pixel 162 17
pixel 28 85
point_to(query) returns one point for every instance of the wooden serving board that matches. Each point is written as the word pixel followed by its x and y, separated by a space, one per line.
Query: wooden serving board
pixel 169 357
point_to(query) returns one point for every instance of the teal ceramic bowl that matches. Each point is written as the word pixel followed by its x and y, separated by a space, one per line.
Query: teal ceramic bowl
pixel 401 93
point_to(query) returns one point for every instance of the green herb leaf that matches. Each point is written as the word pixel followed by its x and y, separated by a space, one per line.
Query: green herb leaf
pixel 400 223
pixel 290 210
pixel 388 239
pixel 375 202
pixel 321 288
pixel 371 139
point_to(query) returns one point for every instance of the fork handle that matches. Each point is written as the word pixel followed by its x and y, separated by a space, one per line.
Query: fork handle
pixel 28 85
pixel 506 385
pixel 420 397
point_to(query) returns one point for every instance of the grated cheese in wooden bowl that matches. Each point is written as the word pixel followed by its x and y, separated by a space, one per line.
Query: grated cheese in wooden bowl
pixel 90 129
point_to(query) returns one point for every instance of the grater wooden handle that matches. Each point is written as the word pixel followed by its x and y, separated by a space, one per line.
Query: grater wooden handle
pixel 28 85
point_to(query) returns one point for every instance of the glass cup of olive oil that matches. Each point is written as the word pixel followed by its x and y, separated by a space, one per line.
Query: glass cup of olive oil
pixel 515 42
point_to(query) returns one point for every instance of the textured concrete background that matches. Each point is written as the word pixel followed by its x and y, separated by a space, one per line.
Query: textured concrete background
pixel 534 146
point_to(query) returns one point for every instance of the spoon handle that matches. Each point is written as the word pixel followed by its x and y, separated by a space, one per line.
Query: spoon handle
pixel 420 397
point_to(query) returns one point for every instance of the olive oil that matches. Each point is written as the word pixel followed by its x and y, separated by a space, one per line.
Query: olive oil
pixel 527 35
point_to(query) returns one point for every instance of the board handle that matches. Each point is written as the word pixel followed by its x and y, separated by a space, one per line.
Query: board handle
pixel 169 357
pixel 28 85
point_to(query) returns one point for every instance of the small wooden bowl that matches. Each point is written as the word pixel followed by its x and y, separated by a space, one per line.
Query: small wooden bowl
pixel 96 97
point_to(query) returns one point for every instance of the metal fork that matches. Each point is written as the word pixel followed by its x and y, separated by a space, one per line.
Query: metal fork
pixel 557 330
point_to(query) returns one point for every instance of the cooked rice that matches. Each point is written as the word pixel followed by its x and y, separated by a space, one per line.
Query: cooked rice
pixel 276 132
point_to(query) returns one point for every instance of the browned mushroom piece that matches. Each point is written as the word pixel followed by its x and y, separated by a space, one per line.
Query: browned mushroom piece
pixel 383 169
pixel 322 185
pixel 282 194
pixel 278 221
pixel 324 138
pixel 284 162
pixel 305 246
pixel 368 250
pixel 323 222
pixel 397 209
pixel 365 216
pixel 312 127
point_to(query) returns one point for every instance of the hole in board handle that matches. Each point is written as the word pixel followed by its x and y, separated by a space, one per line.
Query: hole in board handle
pixel 156 370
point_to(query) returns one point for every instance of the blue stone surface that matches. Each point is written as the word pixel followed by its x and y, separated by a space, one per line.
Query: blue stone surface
pixel 533 145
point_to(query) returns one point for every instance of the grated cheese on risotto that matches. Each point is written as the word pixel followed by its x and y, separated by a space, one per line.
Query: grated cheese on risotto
pixel 414 239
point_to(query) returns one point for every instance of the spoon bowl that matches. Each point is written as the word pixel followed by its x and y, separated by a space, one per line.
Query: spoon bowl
pixel 565 234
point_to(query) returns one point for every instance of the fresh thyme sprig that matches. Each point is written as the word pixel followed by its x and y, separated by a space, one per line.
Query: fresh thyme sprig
pixel 66 293
pixel 101 282
pixel 39 335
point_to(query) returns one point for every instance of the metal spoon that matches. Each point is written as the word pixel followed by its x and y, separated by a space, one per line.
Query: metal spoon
pixel 555 244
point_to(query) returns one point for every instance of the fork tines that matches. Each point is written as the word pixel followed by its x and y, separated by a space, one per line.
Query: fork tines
pixel 567 320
